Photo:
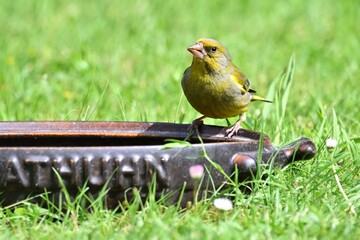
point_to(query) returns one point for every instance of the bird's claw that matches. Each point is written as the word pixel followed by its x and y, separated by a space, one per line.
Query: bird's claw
pixel 230 132
pixel 194 127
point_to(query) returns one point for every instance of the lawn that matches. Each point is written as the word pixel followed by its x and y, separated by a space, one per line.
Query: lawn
pixel 123 61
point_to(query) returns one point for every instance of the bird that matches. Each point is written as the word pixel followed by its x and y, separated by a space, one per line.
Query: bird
pixel 215 87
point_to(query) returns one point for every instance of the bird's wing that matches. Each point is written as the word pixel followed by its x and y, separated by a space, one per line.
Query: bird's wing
pixel 241 80
pixel 252 90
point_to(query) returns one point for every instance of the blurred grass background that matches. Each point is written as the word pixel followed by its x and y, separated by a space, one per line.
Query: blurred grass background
pixel 123 61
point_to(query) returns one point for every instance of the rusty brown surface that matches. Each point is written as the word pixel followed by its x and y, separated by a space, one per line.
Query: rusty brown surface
pixel 126 155
pixel 142 131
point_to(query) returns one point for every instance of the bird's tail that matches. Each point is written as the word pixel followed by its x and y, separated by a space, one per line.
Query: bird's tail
pixel 257 98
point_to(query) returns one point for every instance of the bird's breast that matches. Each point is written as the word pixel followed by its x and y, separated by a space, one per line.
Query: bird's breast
pixel 215 97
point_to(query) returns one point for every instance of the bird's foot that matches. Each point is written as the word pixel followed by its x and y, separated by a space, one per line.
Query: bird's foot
pixel 195 127
pixel 230 132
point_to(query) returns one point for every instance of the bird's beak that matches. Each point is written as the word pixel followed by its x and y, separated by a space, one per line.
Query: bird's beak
pixel 197 50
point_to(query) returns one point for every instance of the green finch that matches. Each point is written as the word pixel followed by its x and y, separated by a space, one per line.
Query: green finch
pixel 215 87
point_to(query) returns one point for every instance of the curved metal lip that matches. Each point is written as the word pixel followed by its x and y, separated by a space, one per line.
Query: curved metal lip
pixel 142 131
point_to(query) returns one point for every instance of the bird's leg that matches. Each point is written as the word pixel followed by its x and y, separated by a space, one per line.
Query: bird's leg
pixel 194 127
pixel 236 127
pixel 196 124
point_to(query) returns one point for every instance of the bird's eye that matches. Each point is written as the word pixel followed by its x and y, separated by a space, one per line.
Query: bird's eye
pixel 213 49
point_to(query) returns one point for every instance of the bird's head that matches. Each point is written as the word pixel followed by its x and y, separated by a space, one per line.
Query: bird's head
pixel 210 52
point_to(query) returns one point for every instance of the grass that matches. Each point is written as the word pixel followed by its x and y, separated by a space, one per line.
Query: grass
pixel 123 60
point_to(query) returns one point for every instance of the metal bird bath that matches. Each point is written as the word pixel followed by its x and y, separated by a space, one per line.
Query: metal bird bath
pixel 121 156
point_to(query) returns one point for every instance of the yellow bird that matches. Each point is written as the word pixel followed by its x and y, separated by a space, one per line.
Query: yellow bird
pixel 215 87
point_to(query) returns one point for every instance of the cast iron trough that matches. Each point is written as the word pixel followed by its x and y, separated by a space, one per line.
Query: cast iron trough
pixel 123 156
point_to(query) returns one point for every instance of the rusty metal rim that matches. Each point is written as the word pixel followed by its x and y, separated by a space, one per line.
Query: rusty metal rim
pixel 111 129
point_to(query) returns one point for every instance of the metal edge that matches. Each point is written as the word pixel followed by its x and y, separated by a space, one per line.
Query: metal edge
pixel 119 129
